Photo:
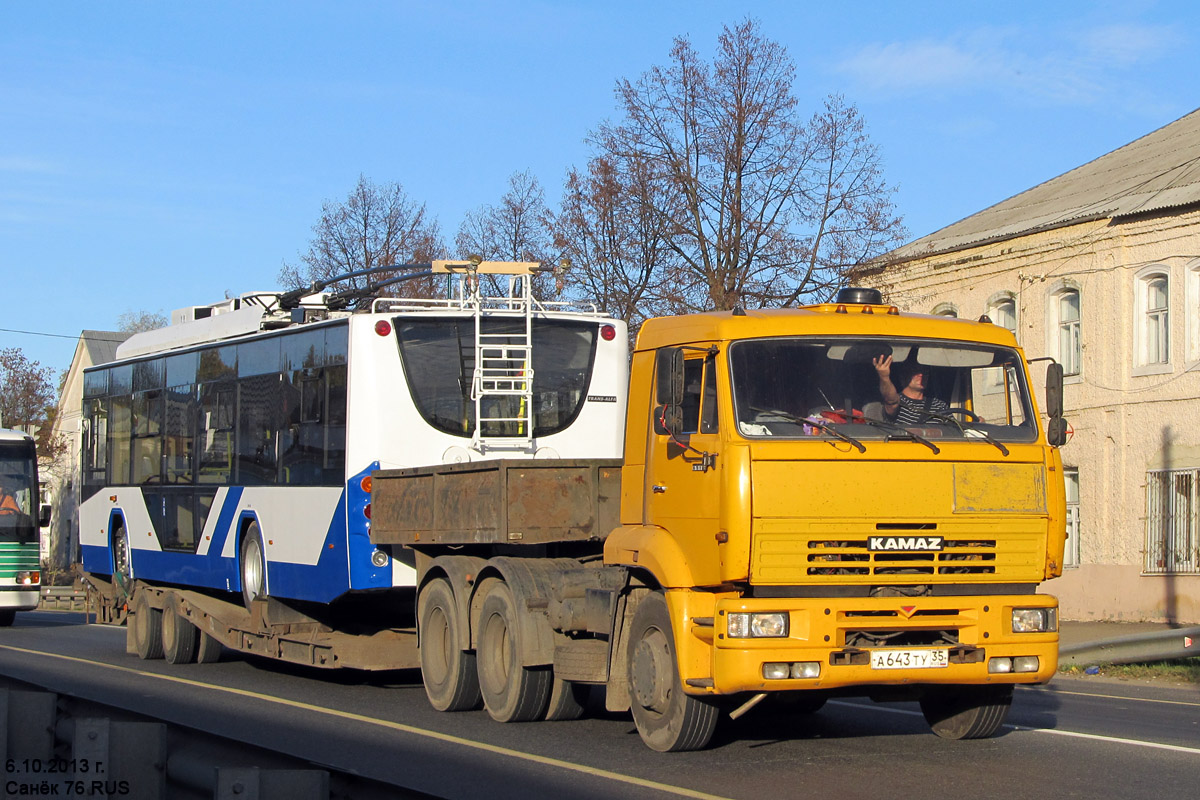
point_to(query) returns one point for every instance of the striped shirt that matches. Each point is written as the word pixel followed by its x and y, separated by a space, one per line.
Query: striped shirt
pixel 913 412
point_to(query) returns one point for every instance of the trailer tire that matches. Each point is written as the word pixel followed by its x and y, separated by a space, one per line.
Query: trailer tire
pixel 253 566
pixel 147 628
pixel 511 691
pixel 448 672
pixel 667 719
pixel 966 712
pixel 179 636
pixel 208 650
pixel 568 700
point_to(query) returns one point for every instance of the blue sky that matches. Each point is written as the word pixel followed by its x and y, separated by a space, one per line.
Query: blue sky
pixel 155 155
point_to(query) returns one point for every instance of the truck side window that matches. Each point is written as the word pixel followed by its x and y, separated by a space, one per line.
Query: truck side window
pixel 708 409
pixel 693 372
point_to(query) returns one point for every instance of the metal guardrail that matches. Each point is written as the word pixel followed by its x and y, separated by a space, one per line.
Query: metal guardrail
pixel 1134 649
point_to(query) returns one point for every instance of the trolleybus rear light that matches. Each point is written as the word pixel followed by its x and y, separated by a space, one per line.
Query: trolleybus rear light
pixel 608 332
pixel 367 511
pixel 383 327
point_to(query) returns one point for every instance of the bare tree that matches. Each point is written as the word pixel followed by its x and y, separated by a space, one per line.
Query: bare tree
pixel 516 229
pixel 140 321
pixel 376 226
pixel 27 398
pixel 756 205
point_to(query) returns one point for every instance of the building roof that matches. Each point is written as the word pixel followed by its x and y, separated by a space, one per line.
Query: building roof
pixel 1156 172
pixel 102 345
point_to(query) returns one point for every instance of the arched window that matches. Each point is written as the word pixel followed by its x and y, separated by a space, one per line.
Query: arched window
pixel 1192 309
pixel 945 310
pixel 1066 329
pixel 1153 318
pixel 1002 310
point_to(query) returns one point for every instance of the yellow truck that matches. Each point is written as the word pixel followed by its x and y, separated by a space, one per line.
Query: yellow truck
pixel 838 499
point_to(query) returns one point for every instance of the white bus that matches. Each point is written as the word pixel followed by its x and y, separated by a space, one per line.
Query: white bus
pixel 20 517
pixel 231 451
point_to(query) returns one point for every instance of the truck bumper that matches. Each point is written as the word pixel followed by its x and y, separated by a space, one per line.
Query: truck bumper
pixel 826 637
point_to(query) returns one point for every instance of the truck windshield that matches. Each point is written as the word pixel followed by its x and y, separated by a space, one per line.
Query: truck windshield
pixel 802 387
pixel 18 492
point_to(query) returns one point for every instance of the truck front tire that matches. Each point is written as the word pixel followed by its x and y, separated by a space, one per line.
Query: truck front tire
pixel 667 719
pixel 966 712
pixel 449 674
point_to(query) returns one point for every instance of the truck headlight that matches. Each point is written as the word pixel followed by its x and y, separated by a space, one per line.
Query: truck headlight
pixel 767 625
pixel 1034 620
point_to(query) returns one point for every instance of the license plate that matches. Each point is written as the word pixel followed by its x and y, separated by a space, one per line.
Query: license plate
pixel 910 659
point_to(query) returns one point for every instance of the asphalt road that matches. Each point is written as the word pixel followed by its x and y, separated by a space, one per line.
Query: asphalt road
pixel 1073 738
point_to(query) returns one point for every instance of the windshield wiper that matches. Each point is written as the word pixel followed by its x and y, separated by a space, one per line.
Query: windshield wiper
pixel 899 431
pixel 822 426
pixel 980 434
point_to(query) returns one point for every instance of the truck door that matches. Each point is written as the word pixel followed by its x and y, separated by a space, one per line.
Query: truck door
pixel 683 487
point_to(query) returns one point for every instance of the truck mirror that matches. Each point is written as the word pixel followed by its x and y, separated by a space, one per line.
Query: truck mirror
pixel 1056 431
pixel 668 420
pixel 1054 390
pixel 669 377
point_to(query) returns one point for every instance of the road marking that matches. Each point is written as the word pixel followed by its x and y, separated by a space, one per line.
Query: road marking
pixel 397 726
pixel 1120 697
pixel 1073 734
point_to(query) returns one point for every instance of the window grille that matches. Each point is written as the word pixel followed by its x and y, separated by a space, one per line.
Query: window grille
pixel 1172 541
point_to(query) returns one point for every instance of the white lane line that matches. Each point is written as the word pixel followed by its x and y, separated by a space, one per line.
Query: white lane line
pixel 1118 697
pixel 396 726
pixel 1022 728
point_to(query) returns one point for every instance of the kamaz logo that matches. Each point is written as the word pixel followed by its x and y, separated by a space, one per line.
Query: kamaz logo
pixel 911 543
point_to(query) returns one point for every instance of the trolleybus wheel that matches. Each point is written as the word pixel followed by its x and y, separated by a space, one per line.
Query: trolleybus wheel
pixel 7 616
pixel 122 571
pixel 511 691
pixel 966 712
pixel 254 567
pixel 667 719
pixel 179 636
pixel 147 628
pixel 448 672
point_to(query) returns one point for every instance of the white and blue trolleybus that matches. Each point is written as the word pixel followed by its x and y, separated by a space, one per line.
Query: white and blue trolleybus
pixel 230 453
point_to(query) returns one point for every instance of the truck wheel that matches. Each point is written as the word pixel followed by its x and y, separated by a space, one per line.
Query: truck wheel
pixel 147 628
pixel 208 649
pixel 511 692
pixel 179 636
pixel 667 719
pixel 568 700
pixel 966 712
pixel 254 567
pixel 7 617
pixel 449 675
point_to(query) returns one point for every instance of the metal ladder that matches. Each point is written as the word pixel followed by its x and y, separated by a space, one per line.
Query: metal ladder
pixel 503 375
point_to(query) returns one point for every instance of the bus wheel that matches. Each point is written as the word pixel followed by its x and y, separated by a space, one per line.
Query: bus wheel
pixel 568 700
pixel 179 636
pixel 147 628
pixel 448 672
pixel 667 719
pixel 122 571
pixel 966 712
pixel 7 616
pixel 511 692
pixel 254 567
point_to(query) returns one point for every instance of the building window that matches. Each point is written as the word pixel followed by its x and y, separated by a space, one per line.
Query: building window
pixel 1154 319
pixel 1065 326
pixel 1171 524
pixel 1071 553
pixel 1003 312
pixel 1193 311
pixel 945 310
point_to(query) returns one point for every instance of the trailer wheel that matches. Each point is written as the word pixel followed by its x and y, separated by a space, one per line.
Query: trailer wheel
pixel 179 636
pixel 147 628
pixel 511 692
pixel 966 712
pixel 254 567
pixel 7 617
pixel 667 719
pixel 208 650
pixel 449 675
pixel 568 700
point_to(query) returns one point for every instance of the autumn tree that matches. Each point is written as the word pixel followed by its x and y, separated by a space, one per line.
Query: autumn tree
pixel 756 204
pixel 27 397
pixel 141 321
pixel 375 226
